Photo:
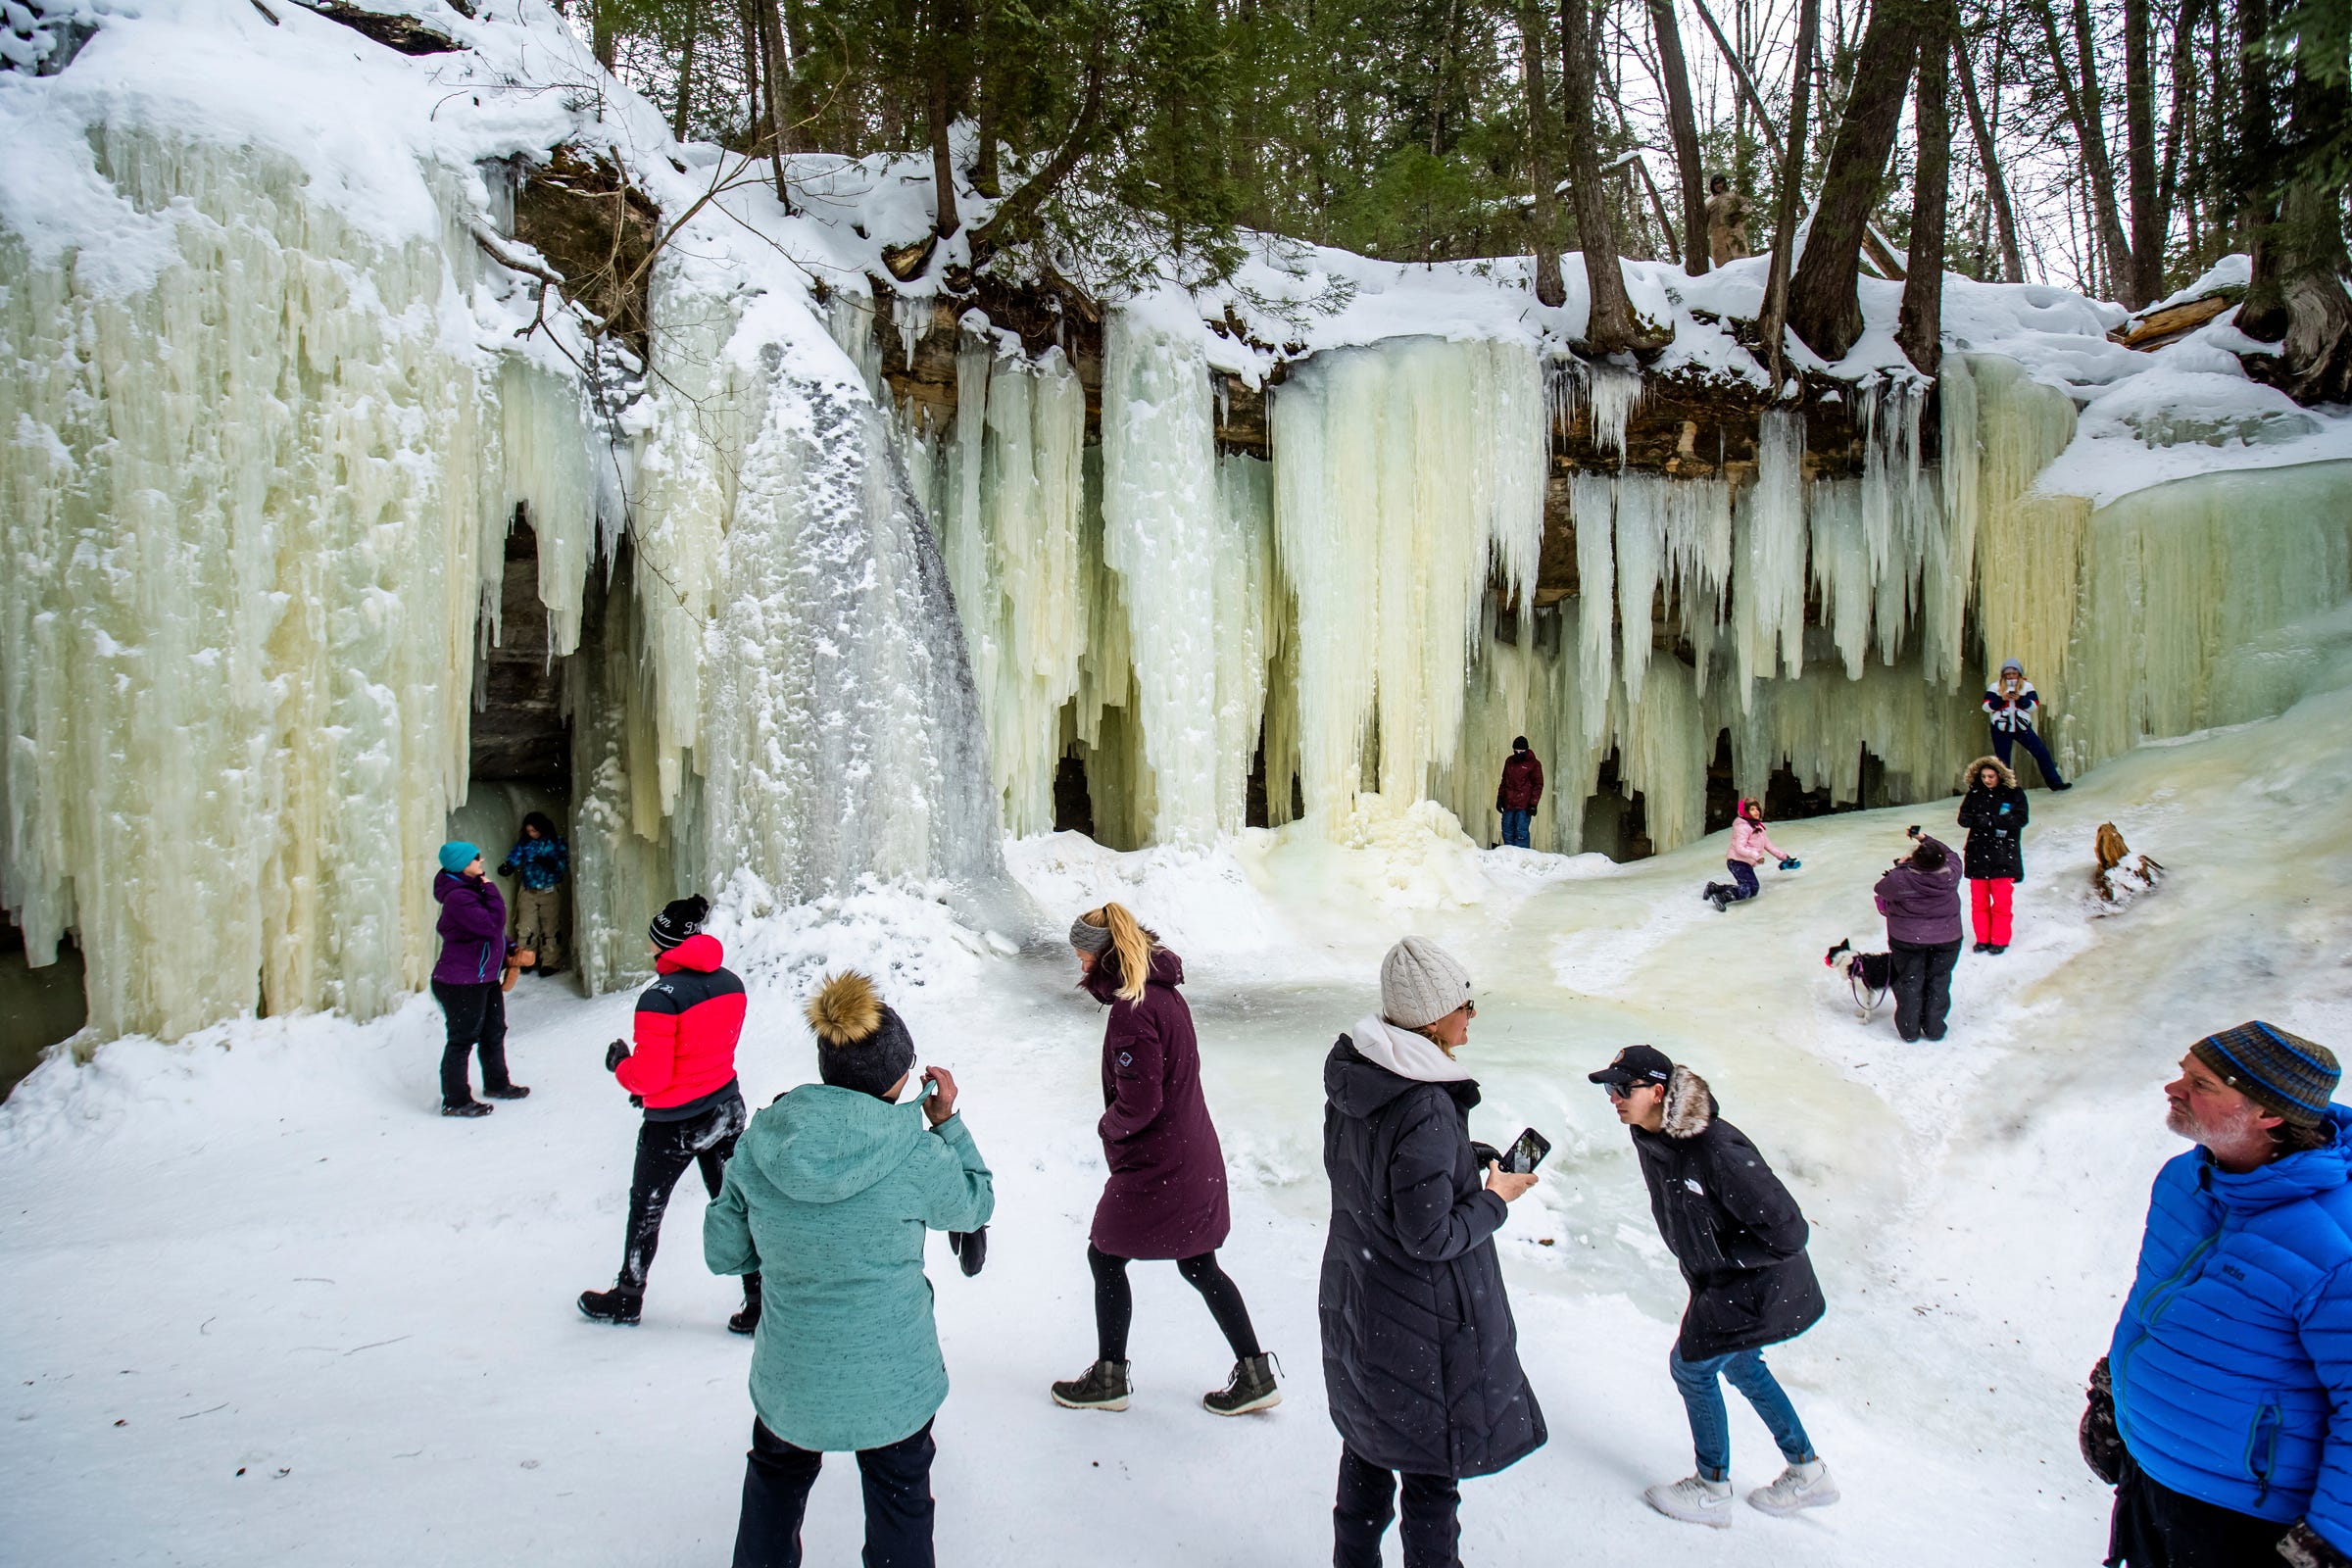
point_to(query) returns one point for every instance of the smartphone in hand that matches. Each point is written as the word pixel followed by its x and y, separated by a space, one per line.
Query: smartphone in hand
pixel 1526 1153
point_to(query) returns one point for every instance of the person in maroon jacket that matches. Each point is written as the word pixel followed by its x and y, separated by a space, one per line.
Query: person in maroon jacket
pixel 1921 899
pixel 1167 1193
pixel 1520 793
pixel 683 1073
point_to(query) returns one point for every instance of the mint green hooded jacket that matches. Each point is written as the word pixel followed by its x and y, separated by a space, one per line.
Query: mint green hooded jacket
pixel 829 1195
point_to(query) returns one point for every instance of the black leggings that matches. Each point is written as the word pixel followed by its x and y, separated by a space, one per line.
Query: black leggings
pixel 1114 1302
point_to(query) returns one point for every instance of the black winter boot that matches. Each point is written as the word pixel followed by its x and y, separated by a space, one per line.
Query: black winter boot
pixel 466 1107
pixel 1250 1387
pixel 507 1092
pixel 1104 1388
pixel 747 1320
pixel 616 1306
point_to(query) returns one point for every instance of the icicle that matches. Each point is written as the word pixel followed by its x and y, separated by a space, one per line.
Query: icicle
pixel 1159 534
pixel 1768 591
pixel 1609 392
pixel 2027 546
pixel 1949 559
pixel 1843 567
pixel 1247 601
pixel 550 471
pixel 1590 501
pixel 1641 506
pixel 1402 473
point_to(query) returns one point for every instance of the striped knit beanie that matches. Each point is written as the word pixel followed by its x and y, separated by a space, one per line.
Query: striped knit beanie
pixel 2288 1076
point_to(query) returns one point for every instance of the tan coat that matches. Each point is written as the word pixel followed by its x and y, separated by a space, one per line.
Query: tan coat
pixel 1727 226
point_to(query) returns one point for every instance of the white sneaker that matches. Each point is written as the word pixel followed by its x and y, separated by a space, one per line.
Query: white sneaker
pixel 1800 1485
pixel 1693 1499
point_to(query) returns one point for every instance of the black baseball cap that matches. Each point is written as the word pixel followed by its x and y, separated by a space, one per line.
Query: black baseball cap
pixel 1635 1066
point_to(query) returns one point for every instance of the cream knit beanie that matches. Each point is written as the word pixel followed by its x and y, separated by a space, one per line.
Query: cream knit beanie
pixel 1420 983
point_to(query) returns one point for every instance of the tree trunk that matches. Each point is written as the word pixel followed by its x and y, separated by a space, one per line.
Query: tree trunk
pixel 1773 328
pixel 938 114
pixel 1996 184
pixel 1824 306
pixel 2086 111
pixel 677 117
pixel 991 76
pixel 602 34
pixel 2180 121
pixel 1610 327
pixel 1542 167
pixel 779 95
pixel 1682 123
pixel 2257 136
pixel 2296 298
pixel 1746 83
pixel 754 58
pixel 1920 330
pixel 2139 156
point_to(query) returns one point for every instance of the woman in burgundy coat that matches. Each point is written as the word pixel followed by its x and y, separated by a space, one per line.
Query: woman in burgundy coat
pixel 1167 1193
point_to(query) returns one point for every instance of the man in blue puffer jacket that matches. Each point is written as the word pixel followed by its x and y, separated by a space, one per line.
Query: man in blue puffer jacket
pixel 2234 1349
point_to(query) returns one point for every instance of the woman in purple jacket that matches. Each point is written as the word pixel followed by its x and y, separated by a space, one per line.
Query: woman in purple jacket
pixel 1167 1193
pixel 1921 899
pixel 468 981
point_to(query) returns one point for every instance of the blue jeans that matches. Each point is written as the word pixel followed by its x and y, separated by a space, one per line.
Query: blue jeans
pixel 1743 880
pixel 1710 1429
pixel 1514 828
pixel 2004 739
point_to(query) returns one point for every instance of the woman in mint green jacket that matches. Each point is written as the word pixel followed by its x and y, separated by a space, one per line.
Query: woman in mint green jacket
pixel 828 1198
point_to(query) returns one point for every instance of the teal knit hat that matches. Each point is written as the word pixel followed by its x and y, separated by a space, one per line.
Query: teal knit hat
pixel 2290 1077
pixel 457 855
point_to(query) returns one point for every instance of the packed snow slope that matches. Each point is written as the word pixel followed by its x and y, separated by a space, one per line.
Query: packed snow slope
pixel 266 1307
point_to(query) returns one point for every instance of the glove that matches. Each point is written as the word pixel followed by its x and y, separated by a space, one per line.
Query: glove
pixel 2306 1548
pixel 1790 866
pixel 614 1054
pixel 972 1251
pixel 1485 1154
pixel 505 868
pixel 2102 1444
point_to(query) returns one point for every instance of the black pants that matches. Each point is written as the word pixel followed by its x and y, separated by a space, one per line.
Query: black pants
pixel 2156 1526
pixel 477 1020
pixel 1923 987
pixel 665 1148
pixel 1114 1302
pixel 775 1497
pixel 1432 1531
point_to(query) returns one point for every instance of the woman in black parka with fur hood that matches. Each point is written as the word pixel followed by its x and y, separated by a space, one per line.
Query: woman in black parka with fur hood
pixel 1420 1356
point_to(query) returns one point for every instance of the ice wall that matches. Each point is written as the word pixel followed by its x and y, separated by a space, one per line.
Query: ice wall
pixel 1406 478
pixel 245 513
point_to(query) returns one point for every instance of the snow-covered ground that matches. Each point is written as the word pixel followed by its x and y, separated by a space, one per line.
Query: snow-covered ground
pixel 265 1307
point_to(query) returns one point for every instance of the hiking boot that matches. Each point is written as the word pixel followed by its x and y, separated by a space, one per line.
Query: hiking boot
pixel 1104 1388
pixel 1720 897
pixel 1250 1387
pixel 1694 1500
pixel 465 1107
pixel 745 1321
pixel 1800 1485
pixel 1979 946
pixel 615 1305
pixel 508 1092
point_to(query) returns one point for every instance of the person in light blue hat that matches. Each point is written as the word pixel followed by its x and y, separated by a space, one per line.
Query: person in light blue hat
pixel 470 981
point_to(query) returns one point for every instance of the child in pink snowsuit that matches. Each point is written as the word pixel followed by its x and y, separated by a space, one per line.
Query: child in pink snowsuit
pixel 1751 846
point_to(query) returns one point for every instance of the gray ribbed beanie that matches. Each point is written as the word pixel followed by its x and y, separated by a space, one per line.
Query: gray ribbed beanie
pixel 1420 983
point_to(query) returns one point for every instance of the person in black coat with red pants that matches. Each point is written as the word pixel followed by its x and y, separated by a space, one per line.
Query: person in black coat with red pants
pixel 1995 812
pixel 1741 1241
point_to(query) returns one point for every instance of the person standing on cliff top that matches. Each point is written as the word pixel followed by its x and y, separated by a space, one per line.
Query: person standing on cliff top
pixel 1727 222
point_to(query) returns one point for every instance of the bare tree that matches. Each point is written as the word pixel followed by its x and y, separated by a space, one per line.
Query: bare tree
pixel 1824 306
pixel 1989 157
pixel 2298 296
pixel 1610 328
pixel 1773 328
pixel 1920 328
pixel 2148 218
pixel 2078 83
pixel 1543 167
pixel 1682 124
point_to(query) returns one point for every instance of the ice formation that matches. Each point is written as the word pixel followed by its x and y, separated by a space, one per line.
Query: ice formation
pixel 1406 476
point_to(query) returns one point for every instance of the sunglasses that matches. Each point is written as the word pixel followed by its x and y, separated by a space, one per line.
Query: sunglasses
pixel 1470 1007
pixel 1623 1090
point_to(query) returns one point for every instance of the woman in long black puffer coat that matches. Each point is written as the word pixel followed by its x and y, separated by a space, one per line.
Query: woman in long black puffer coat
pixel 1420 1356
pixel 1993 811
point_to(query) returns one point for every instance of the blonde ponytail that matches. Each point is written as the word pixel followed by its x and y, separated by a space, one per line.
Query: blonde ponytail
pixel 1133 944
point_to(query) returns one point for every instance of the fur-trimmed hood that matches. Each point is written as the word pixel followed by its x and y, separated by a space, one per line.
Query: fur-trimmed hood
pixel 1689 1104
pixel 1976 770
